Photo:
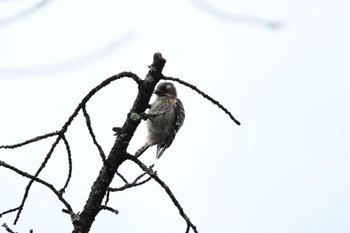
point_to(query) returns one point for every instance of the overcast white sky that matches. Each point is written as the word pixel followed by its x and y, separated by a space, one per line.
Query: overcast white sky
pixel 285 169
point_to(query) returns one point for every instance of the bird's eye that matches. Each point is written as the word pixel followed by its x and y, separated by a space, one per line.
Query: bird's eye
pixel 168 86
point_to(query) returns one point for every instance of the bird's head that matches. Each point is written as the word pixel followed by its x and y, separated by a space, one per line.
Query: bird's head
pixel 166 89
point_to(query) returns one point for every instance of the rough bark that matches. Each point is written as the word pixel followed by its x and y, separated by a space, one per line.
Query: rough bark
pixel 118 154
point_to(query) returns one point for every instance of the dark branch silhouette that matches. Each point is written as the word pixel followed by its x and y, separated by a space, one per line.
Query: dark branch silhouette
pixel 167 190
pixel 38 138
pixel 61 133
pixel 205 96
pixel 70 166
pixel 104 207
pixel 40 181
pixel 121 177
pixel 118 154
pixel 42 166
pixel 9 211
pixel 128 185
pixel 7 228
pixel 88 124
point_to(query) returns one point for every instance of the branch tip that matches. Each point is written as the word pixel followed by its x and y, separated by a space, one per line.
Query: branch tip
pixel 206 96
pixel 104 207
pixel 158 63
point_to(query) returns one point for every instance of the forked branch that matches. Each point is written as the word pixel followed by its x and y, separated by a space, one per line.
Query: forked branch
pixel 100 189
pixel 167 190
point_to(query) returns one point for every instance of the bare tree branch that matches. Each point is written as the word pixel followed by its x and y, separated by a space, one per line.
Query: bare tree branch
pixel 188 228
pixel 94 91
pixel 7 228
pixel 127 185
pixel 70 166
pixel 60 134
pixel 9 211
pixel 42 166
pixel 34 178
pixel 135 183
pixel 101 189
pixel 107 197
pixel 217 103
pixel 88 124
pixel 118 152
pixel 122 177
pixel 38 138
pixel 104 207
pixel 167 190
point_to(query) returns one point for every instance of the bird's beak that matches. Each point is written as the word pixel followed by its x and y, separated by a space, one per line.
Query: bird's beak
pixel 158 93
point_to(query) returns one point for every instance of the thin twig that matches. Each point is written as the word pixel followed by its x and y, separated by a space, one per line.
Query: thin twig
pixel 140 176
pixel 66 125
pixel 42 166
pixel 132 184
pixel 88 124
pixel 70 166
pixel 166 188
pixel 94 91
pixel 129 185
pixel 7 228
pixel 104 207
pixel 34 178
pixel 187 228
pixel 107 197
pixel 122 177
pixel 9 211
pixel 205 96
pixel 38 138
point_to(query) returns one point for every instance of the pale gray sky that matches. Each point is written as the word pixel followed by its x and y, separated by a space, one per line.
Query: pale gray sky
pixel 285 169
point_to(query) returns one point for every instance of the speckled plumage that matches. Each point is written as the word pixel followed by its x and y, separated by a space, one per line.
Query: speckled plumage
pixel 163 128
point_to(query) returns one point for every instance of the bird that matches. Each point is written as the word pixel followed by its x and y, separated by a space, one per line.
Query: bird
pixel 165 117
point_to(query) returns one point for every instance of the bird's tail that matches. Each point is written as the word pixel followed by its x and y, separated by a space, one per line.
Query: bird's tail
pixel 142 149
pixel 160 150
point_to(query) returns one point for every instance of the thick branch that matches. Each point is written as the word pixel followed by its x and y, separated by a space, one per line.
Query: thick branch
pixel 64 129
pixel 117 154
